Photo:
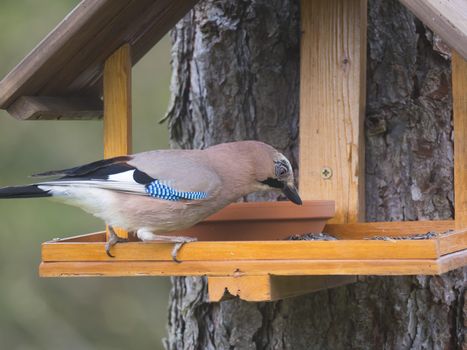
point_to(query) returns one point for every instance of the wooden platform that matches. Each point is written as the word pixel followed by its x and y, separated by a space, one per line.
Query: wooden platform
pixel 228 264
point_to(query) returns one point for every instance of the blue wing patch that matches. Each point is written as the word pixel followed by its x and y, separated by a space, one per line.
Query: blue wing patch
pixel 159 190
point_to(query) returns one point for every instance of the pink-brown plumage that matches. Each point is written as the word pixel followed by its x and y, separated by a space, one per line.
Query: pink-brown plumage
pixel 115 190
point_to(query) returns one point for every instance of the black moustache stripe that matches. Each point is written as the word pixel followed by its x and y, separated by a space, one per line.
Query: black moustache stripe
pixel 273 183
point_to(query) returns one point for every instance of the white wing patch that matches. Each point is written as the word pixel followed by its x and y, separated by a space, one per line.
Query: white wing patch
pixel 131 187
pixel 126 176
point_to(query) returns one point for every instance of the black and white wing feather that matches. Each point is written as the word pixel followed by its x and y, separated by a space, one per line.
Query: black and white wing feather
pixel 118 174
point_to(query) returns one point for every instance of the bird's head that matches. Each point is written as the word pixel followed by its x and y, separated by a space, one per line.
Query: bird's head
pixel 279 176
pixel 255 165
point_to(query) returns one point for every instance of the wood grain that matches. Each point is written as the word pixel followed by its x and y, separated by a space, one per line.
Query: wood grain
pixel 70 60
pixel 269 288
pixel 85 68
pixel 452 261
pixel 117 106
pixel 391 229
pixel 141 24
pixel 459 100
pixel 332 100
pixel 63 108
pixel 230 251
pixel 256 267
pixel 448 19
pixel 91 247
pixel 55 50
pixel 250 288
pixel 117 103
pixel 453 242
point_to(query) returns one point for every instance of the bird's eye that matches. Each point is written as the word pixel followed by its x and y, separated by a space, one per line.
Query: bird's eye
pixel 281 170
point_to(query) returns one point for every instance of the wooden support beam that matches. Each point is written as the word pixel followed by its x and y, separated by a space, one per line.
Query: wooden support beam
pixel 459 99
pixel 54 108
pixel 260 250
pixel 332 101
pixel 447 18
pixel 269 288
pixel 117 103
pixel 382 267
pixel 117 106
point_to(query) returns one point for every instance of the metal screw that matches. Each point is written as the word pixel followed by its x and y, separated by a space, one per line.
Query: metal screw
pixel 326 173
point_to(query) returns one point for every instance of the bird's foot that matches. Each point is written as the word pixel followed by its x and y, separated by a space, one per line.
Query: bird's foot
pixel 179 244
pixel 113 240
pixel 148 236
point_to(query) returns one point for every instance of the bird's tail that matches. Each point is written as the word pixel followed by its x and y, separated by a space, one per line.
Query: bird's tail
pixel 29 191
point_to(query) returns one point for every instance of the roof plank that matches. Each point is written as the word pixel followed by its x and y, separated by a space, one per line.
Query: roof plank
pixel 69 61
pixel 63 108
pixel 448 19
pixel 76 76
pixel 55 50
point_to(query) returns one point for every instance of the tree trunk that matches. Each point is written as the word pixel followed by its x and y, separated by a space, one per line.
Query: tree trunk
pixel 236 76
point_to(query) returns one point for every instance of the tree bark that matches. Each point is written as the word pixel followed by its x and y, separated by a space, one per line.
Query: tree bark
pixel 236 76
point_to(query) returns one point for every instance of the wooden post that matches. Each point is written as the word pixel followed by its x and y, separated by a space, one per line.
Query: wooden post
pixel 459 100
pixel 332 101
pixel 117 106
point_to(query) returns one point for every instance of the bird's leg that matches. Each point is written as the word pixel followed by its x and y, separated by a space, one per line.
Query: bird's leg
pixel 179 244
pixel 179 241
pixel 113 240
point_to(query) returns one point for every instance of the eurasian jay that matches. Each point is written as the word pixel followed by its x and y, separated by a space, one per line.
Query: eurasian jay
pixel 156 192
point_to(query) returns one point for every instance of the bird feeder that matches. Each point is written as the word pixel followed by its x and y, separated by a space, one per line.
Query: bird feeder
pixel 82 70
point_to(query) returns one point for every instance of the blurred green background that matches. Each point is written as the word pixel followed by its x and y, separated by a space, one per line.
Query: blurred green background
pixel 81 313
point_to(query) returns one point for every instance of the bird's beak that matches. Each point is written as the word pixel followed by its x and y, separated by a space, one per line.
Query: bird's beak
pixel 291 193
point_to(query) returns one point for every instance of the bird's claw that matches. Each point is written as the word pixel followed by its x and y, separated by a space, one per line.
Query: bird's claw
pixel 178 245
pixel 175 250
pixel 113 240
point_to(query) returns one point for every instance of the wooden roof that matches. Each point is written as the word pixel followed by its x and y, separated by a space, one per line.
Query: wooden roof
pixel 447 18
pixel 62 76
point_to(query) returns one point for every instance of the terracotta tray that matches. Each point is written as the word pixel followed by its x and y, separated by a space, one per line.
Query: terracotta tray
pixel 257 221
